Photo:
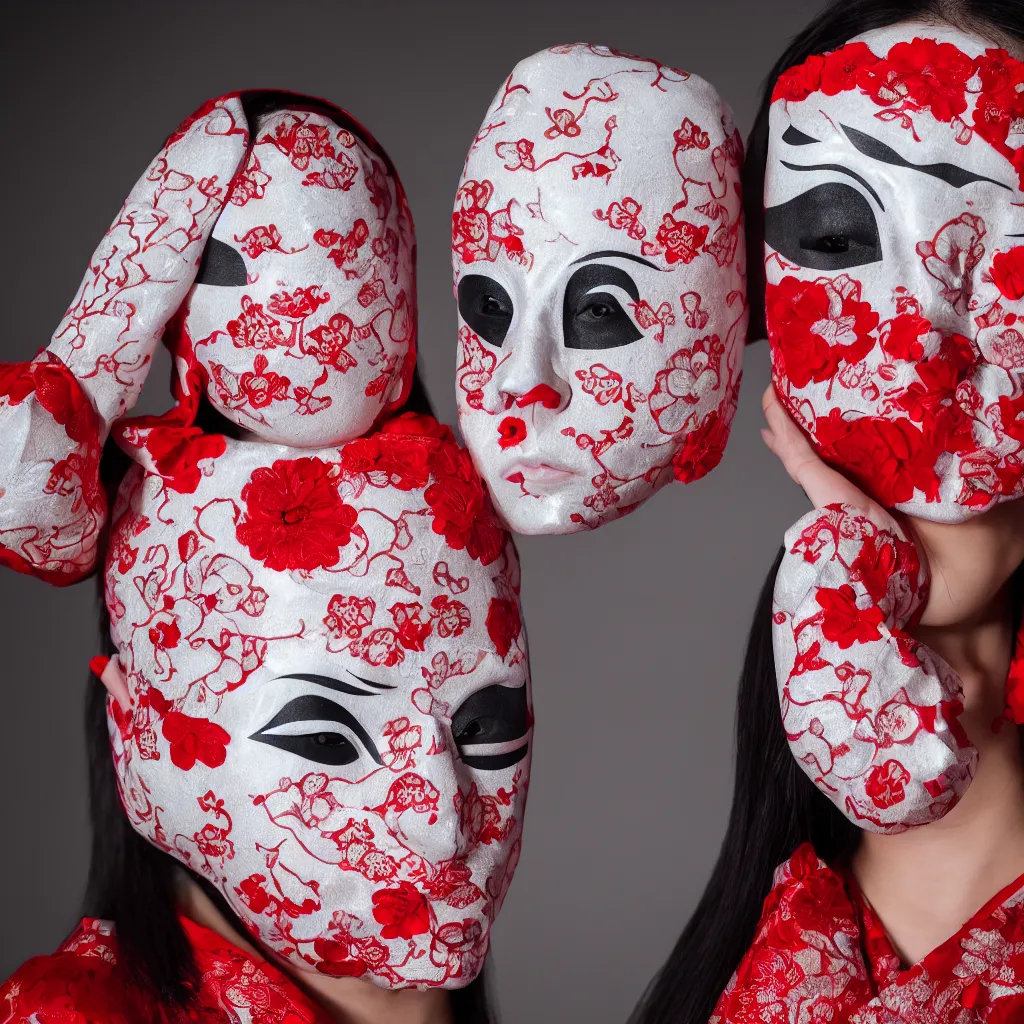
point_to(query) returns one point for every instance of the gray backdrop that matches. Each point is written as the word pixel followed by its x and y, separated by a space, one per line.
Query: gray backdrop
pixel 636 631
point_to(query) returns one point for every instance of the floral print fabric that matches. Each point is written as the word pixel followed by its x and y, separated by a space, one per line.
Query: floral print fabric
pixel 81 983
pixel 821 956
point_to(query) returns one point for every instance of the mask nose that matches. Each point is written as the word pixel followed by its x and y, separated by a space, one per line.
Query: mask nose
pixel 529 377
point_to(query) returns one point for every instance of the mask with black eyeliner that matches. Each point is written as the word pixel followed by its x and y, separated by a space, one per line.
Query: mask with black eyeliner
pixel 592 317
pixel 490 728
pixel 892 232
pixel 599 270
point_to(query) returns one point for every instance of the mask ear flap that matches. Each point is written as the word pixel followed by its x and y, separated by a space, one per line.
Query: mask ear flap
pixel 109 673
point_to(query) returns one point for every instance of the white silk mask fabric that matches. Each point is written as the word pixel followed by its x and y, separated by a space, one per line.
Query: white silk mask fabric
pixel 902 355
pixel 598 257
pixel 330 714
pixel 895 287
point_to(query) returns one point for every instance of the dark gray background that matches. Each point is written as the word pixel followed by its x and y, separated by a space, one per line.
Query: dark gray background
pixel 636 631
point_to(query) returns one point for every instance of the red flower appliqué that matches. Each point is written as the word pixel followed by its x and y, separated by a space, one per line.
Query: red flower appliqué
pixel 844 623
pixel 403 911
pixel 1008 273
pixel 460 507
pixel 817 325
pixel 503 624
pixel 702 449
pixel 195 739
pixel 295 518
pixel 681 239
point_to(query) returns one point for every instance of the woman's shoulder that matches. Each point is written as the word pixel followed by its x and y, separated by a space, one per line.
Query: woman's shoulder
pixel 78 983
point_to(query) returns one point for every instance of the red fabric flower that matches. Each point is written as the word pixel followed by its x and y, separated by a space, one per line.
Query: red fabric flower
pixel 418 425
pixel 503 624
pixel 511 431
pixel 403 911
pixel 295 518
pixel 931 74
pixel 702 449
pixel 844 623
pixel 886 784
pixel 797 83
pixel 901 337
pixel 399 457
pixel 460 507
pixel 874 566
pixel 1008 273
pixel 195 739
pixel 177 451
pixel 888 458
pixel 817 325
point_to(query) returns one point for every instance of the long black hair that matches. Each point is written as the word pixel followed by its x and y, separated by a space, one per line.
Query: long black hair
pixel 130 881
pixel 775 806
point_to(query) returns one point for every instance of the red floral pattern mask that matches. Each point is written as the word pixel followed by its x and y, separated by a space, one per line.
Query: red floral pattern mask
pixel 895 265
pixel 598 259
pixel 327 705
pixel 330 715
pixel 303 316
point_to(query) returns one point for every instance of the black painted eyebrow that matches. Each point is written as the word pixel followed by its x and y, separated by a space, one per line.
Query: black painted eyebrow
pixel 312 708
pixel 949 173
pixel 842 170
pixel 792 136
pixel 336 684
pixel 615 252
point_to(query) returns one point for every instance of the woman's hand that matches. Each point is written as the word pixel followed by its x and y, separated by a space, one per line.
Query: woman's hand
pixel 820 482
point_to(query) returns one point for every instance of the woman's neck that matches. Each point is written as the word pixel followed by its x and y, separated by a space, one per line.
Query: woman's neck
pixel 926 883
pixel 347 1000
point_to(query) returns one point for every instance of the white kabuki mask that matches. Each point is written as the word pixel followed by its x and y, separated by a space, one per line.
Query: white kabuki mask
pixel 894 246
pixel 330 715
pixel 303 315
pixel 598 258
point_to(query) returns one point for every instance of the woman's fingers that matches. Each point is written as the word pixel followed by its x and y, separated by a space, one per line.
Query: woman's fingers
pixel 820 482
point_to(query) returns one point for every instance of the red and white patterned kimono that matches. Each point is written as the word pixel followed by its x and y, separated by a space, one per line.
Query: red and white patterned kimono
pixel 80 984
pixel 821 956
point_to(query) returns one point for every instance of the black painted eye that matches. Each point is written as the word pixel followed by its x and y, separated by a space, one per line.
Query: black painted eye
pixel 829 227
pixel 594 319
pixel 221 266
pixel 490 728
pixel 319 745
pixel 486 307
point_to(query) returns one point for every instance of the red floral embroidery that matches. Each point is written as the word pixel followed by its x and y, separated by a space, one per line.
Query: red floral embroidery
pixel 818 325
pixel 844 623
pixel 295 518
pixel 1008 273
pixel 403 911
pixel 195 739
pixel 681 239
pixel 889 458
pixel 460 506
pixel 503 624
pixel 702 449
